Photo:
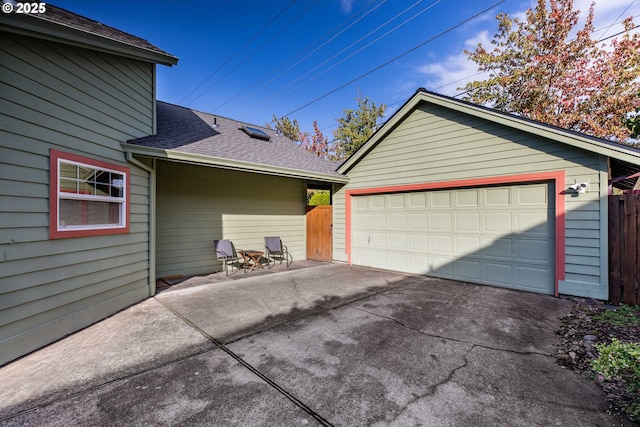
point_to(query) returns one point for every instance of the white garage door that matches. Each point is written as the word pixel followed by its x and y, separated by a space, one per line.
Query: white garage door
pixel 502 236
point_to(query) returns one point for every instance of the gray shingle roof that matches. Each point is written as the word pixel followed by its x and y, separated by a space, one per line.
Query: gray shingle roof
pixel 70 20
pixel 184 130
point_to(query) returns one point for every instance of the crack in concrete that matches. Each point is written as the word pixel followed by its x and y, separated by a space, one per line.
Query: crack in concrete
pixel 523 353
pixel 432 389
pixel 298 293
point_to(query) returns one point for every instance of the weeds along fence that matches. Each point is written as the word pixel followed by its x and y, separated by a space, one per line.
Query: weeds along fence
pixel 624 248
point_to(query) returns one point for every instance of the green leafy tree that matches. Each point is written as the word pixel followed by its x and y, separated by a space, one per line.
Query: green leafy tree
pixel 538 69
pixel 286 127
pixel 356 126
pixel 632 122
pixel 320 197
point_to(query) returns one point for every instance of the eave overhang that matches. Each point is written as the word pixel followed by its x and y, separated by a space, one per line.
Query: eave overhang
pixel 34 26
pixel 238 165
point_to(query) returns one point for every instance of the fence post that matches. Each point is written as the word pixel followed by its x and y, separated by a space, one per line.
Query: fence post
pixel 615 232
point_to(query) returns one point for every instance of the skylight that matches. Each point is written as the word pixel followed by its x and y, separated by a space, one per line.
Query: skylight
pixel 256 133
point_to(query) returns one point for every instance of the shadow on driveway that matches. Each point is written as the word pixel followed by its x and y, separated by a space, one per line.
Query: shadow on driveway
pixel 325 345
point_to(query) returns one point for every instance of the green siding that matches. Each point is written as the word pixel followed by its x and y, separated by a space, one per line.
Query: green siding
pixel 197 204
pixel 85 103
pixel 435 144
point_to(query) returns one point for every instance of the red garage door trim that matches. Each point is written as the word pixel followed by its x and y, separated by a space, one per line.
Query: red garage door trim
pixel 558 177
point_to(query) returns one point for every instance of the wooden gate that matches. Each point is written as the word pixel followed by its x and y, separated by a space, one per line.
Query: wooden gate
pixel 624 248
pixel 319 231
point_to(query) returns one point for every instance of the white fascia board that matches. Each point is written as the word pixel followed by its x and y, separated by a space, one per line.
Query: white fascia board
pixel 219 162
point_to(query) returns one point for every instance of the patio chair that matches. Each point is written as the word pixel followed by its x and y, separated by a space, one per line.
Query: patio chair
pixel 226 252
pixel 274 251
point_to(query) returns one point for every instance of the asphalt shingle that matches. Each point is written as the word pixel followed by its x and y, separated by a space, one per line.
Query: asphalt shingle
pixel 78 22
pixel 189 131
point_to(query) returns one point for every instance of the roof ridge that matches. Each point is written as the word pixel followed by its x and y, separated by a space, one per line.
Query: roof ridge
pixel 215 115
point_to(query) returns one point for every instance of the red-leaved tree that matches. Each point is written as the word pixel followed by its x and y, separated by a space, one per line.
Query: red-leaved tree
pixel 316 143
pixel 540 70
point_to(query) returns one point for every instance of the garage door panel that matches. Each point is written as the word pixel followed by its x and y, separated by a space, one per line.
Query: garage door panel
pixel 377 202
pixel 396 201
pixel 533 223
pixel 532 195
pixel 441 221
pixel 440 199
pixel 378 258
pixel 499 248
pixel 468 270
pixel 378 221
pixel 418 264
pixel 396 221
pixel 361 257
pixel 397 241
pixel 498 223
pixel 498 197
pixel 418 243
pixel 467 246
pixel 360 239
pixel 502 235
pixel 442 244
pixel 533 278
pixel 442 266
pixel 499 273
pixel 467 198
pixel 468 221
pixel 362 219
pixel 418 221
pixel 397 261
pixel 530 250
pixel 377 240
pixel 417 200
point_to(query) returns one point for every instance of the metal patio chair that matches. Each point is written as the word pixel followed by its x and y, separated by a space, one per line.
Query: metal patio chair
pixel 274 251
pixel 226 252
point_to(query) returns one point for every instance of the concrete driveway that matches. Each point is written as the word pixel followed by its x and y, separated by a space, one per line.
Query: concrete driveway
pixel 323 345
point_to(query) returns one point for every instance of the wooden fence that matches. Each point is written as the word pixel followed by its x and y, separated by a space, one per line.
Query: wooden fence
pixel 624 248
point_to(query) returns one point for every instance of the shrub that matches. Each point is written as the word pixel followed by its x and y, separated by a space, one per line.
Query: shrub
pixel 320 198
pixel 621 361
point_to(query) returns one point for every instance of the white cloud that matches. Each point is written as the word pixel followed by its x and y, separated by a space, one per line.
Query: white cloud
pixel 445 75
pixel 454 71
pixel 346 5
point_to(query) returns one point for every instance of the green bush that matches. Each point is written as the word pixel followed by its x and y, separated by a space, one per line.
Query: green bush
pixel 625 315
pixel 320 198
pixel 621 362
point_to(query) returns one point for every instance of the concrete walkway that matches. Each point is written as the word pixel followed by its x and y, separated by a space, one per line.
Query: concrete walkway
pixel 321 345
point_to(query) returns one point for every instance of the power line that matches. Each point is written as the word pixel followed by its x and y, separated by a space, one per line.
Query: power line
pixel 239 50
pixel 327 41
pixel 326 70
pixel 397 57
pixel 615 20
pixel 257 49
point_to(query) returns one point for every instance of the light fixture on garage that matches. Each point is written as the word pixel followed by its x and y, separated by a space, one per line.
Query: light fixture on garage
pixel 580 187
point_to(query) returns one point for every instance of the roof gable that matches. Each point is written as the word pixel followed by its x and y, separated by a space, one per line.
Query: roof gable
pixel 575 139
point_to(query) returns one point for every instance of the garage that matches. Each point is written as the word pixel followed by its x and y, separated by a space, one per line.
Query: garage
pixel 496 235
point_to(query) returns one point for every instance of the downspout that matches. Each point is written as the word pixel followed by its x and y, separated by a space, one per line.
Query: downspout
pixel 152 218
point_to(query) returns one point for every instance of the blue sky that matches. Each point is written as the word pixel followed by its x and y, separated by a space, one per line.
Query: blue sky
pixel 309 59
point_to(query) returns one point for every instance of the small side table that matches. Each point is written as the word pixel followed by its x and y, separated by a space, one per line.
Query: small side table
pixel 252 258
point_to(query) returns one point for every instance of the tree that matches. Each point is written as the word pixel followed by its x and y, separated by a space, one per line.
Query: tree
pixel 538 70
pixel 632 122
pixel 356 126
pixel 320 197
pixel 316 143
pixel 286 127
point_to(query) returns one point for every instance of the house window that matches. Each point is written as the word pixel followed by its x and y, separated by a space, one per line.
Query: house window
pixel 88 197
